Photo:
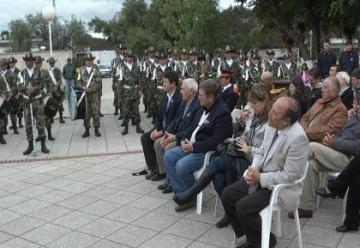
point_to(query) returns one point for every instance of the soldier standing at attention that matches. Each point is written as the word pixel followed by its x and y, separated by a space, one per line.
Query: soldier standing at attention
pixel 53 88
pixel 32 86
pixel 129 78
pixel 115 64
pixel 9 87
pixel 288 70
pixel 16 72
pixel 270 64
pixel 215 62
pixel 193 66
pixel 182 64
pixel 89 80
pixel 254 72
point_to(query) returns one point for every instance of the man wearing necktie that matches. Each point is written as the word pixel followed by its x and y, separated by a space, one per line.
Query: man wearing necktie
pixel 281 159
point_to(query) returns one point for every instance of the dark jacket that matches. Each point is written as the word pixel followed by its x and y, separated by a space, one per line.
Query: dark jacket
pixel 347 140
pixel 229 97
pixel 348 61
pixel 216 128
pixel 315 94
pixel 347 97
pixel 167 114
pixel 69 72
pixel 324 62
pixel 182 121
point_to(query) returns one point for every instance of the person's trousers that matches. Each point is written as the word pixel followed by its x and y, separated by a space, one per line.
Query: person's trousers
pixel 180 167
pixel 159 151
pixel 243 209
pixel 149 151
pixel 321 159
pixel 68 85
pixel 349 178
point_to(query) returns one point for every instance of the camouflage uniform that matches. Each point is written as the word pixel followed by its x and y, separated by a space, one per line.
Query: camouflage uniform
pixel 8 79
pixel 16 72
pixel 53 89
pixel 115 64
pixel 287 72
pixel 243 87
pixel 129 78
pixel 144 80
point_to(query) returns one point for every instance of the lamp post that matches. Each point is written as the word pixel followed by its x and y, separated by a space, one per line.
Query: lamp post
pixel 49 14
pixel 311 34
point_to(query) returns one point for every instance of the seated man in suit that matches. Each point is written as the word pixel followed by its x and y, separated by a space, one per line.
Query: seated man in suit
pixel 327 115
pixel 346 91
pixel 211 126
pixel 184 118
pixel 333 154
pixel 280 159
pixel 169 105
pixel 227 94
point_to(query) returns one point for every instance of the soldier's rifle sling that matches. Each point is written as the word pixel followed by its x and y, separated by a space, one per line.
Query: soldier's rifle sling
pixel 87 86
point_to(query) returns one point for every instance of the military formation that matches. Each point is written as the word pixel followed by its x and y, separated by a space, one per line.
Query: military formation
pixel 36 94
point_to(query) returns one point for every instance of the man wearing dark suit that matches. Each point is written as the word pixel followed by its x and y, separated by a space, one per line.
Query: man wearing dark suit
pixel 169 105
pixel 184 118
pixel 227 94
pixel 346 90
pixel 280 159
pixel 211 126
pixel 326 59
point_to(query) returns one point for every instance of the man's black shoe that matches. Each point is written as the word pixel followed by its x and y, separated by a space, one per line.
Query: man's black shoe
pixel 163 185
pixel 167 190
pixel 158 177
pixel 224 222
pixel 345 228
pixel 186 206
pixel 140 173
pixel 325 193
pixel 152 173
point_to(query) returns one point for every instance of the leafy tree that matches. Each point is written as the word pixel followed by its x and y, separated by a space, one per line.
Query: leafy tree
pixel 20 36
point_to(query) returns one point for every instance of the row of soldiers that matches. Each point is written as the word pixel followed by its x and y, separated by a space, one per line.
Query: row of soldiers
pixel 131 79
pixel 26 93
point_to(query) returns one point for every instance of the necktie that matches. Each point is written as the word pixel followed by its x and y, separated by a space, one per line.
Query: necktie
pixel 276 134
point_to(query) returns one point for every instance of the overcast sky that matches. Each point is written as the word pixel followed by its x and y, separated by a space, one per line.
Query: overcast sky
pixel 84 9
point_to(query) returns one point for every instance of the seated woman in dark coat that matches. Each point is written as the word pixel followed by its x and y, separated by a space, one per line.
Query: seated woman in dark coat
pixel 299 92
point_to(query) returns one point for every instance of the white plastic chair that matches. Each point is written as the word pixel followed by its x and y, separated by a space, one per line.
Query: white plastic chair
pixel 197 174
pixel 266 214
pixel 323 178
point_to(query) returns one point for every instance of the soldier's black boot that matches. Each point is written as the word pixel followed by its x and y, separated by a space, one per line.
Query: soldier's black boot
pixel 97 133
pixel 2 140
pixel 30 148
pixel 87 133
pixel 20 122
pixel 116 111
pixel 43 146
pixel 126 130
pixel 15 127
pixel 139 129
pixel 61 119
pixel 50 137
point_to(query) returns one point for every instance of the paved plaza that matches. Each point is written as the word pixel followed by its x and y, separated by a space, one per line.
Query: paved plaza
pixel 82 195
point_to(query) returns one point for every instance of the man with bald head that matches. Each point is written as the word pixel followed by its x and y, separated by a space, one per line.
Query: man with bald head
pixel 327 115
pixel 280 159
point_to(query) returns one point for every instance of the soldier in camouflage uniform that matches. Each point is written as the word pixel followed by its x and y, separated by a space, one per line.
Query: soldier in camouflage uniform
pixel 144 79
pixel 270 64
pixel 192 69
pixel 90 81
pixel 230 64
pixel 287 70
pixel 242 84
pixel 157 83
pixel 16 72
pixel 181 68
pixel 32 86
pixel 53 88
pixel 8 81
pixel 205 66
pixel 115 64
pixel 254 72
pixel 215 63
pixel 129 78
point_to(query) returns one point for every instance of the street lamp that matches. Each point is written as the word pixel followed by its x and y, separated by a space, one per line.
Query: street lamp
pixel 311 36
pixel 49 14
